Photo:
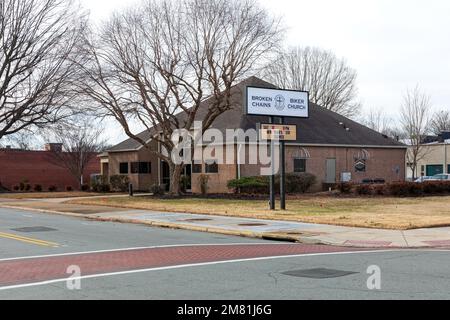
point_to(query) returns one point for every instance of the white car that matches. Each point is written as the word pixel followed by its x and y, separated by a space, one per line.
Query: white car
pixel 423 179
pixel 440 177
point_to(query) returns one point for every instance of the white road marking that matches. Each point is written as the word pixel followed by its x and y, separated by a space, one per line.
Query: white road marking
pixel 103 275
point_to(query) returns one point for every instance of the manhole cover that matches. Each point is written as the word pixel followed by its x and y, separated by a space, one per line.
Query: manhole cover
pixel 34 229
pixel 252 224
pixel 197 220
pixel 319 273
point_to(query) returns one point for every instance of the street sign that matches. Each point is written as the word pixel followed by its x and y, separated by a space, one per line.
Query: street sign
pixel 277 103
pixel 278 132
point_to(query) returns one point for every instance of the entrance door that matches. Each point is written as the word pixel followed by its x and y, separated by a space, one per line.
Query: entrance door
pixel 433 170
pixel 165 176
pixel 331 171
pixel 188 175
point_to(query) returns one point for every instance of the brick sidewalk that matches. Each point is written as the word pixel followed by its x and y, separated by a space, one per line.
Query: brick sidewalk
pixel 25 271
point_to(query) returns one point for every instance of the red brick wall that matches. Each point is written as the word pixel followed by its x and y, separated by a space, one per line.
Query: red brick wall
pixel 382 163
pixel 38 168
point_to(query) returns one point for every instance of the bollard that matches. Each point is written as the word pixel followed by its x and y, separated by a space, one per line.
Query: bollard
pixel 130 189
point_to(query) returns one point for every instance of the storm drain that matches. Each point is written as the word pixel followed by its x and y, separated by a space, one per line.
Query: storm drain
pixel 319 273
pixel 34 229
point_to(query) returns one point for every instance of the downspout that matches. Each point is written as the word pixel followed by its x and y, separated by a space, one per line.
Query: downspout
pixel 445 157
pixel 239 161
pixel 159 165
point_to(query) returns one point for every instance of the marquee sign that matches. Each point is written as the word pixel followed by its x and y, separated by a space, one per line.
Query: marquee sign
pixel 277 103
pixel 278 132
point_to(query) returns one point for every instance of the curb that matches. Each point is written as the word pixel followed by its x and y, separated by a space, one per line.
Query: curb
pixel 177 226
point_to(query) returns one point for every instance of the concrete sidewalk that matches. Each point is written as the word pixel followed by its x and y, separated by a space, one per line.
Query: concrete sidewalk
pixel 269 229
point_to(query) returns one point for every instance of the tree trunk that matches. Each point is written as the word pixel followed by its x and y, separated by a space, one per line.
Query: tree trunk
pixel 175 179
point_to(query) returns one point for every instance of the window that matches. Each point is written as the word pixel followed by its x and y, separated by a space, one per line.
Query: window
pixel 197 168
pixel 145 167
pixel 141 167
pixel 212 167
pixel 124 168
pixel 360 166
pixel 299 165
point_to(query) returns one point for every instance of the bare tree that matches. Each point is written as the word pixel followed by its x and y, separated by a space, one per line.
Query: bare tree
pixel 37 51
pixel 24 140
pixel 415 115
pixel 329 80
pixel 376 120
pixel 440 122
pixel 80 145
pixel 156 63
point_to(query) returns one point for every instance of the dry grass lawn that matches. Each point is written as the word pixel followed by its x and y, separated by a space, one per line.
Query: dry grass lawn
pixel 377 212
pixel 48 195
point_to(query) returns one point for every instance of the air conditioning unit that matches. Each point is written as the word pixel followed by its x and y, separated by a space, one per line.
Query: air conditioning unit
pixel 346 176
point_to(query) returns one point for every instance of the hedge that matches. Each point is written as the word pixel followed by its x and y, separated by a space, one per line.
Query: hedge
pixel 295 183
pixel 398 189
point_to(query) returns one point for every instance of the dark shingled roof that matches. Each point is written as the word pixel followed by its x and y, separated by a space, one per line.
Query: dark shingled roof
pixel 323 127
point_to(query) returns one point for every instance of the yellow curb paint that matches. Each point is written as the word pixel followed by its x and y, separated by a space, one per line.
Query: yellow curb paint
pixel 28 240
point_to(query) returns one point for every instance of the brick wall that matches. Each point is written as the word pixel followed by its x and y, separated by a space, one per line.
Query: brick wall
pixel 381 163
pixel 38 168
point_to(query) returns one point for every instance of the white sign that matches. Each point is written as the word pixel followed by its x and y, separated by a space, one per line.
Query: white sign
pixel 277 103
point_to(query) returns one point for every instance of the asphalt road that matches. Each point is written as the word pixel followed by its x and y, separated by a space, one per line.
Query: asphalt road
pixel 124 261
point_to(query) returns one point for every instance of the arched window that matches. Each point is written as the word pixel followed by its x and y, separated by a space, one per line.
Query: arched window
pixel 300 157
pixel 361 158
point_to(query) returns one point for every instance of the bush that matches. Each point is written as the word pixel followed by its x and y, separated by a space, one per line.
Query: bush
pixel 345 187
pixel 250 185
pixel 203 179
pixel 119 183
pixel 69 188
pixel 100 184
pixel 299 182
pixel 52 188
pixel 295 183
pixel 185 182
pixel 363 189
pixel 436 187
pixel 16 188
pixel 405 189
pixel 85 187
pixel 38 188
pixel 379 189
pixel 158 190
pixel 101 188
pixel 27 187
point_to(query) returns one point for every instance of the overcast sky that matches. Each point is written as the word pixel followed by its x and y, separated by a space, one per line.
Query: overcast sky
pixel 393 45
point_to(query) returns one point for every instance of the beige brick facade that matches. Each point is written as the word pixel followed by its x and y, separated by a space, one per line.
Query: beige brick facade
pixel 380 163
pixel 139 181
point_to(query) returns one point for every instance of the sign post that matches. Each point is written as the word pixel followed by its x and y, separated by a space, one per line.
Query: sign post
pixel 281 104
pixel 272 175
pixel 283 172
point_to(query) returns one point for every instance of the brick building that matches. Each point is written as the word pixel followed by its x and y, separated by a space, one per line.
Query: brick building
pixel 330 146
pixel 39 168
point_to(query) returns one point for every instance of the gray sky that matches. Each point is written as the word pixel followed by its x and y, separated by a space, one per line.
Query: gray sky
pixel 392 44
